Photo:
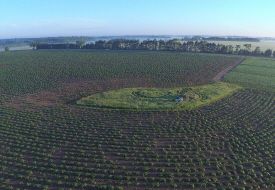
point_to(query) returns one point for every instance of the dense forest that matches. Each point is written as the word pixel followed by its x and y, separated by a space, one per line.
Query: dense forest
pixel 160 45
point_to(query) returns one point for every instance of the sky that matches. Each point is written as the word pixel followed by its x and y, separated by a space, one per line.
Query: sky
pixel 51 18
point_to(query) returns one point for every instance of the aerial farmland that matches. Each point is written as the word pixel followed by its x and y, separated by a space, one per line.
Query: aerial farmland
pixel 53 137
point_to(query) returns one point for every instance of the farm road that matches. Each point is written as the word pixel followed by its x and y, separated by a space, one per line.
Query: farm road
pixel 223 72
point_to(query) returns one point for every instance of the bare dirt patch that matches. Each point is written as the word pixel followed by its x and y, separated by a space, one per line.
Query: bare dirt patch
pixel 73 89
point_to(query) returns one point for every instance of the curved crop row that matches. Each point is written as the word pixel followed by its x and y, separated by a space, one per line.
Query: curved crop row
pixel 228 144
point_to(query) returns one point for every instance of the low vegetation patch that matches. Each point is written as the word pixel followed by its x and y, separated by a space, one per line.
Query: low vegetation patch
pixel 159 98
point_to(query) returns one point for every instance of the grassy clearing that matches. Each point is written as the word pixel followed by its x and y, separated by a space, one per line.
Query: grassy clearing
pixel 158 98
pixel 254 72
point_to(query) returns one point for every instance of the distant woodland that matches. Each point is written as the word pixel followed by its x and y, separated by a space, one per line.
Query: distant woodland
pixel 216 38
pixel 55 40
pixel 185 44
pixel 70 39
pixel 160 45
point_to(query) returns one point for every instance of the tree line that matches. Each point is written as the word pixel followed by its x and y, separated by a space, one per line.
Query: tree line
pixel 217 38
pixel 160 45
pixel 26 41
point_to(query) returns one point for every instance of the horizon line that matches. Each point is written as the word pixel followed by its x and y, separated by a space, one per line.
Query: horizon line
pixel 147 35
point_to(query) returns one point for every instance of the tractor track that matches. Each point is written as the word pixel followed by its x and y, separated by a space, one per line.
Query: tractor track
pixel 220 75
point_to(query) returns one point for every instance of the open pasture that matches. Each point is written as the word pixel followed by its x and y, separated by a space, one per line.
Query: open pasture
pixel 48 143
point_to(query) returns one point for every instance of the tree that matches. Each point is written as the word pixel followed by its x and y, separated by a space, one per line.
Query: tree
pixel 190 45
pixel 33 44
pixel 219 48
pixel 7 48
pixel 257 51
pixel 101 44
pixel 237 48
pixel 230 49
pixel 268 53
pixel 223 49
pixel 109 44
pixel 274 54
pixel 175 44
pixel 247 46
pixel 80 43
pixel 161 45
pixel 203 46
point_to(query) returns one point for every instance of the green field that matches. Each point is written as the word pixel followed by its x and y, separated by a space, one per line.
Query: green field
pixel 158 98
pixel 49 143
pixel 32 71
pixel 254 72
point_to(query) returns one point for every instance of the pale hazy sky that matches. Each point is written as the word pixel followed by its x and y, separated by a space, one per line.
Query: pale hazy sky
pixel 46 18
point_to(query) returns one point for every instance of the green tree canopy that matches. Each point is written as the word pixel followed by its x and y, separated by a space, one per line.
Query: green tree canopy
pixel 80 43
pixel 247 46
pixel 268 52
pixel 257 51
pixel 33 44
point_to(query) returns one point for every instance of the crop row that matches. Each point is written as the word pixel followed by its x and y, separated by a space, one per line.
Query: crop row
pixel 253 72
pixel 226 145
pixel 33 71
